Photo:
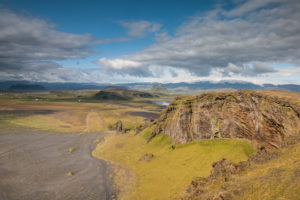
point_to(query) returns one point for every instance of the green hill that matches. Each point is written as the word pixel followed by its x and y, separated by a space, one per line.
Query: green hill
pixel 121 94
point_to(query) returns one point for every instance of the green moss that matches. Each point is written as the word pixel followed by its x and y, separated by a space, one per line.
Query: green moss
pixel 71 150
pixel 217 135
pixel 161 140
pixel 129 127
pixel 171 169
pixel 190 106
pixel 70 173
pixel 216 122
pixel 276 177
pixel 146 133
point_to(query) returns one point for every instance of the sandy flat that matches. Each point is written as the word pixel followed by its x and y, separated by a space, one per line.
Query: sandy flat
pixel 35 165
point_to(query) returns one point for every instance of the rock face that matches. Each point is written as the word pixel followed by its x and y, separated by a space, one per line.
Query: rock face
pixel 118 126
pixel 262 119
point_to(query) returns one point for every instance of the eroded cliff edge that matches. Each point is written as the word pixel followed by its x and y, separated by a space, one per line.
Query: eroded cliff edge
pixel 264 119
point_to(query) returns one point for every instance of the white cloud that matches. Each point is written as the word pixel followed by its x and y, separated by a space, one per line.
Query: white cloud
pixel 242 46
pixel 29 46
pixel 237 44
pixel 140 28
pixel 118 63
pixel 162 37
pixel 249 6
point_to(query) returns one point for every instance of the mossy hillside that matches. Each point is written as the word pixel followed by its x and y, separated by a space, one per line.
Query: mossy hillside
pixel 278 178
pixel 171 169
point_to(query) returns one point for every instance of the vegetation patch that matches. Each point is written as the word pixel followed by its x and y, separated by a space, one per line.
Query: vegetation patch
pixel 276 177
pixel 71 150
pixel 70 117
pixel 168 173
pixel 121 94
pixel 70 174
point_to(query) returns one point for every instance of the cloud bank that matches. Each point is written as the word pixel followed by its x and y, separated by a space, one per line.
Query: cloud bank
pixel 30 46
pixel 244 41
pixel 241 43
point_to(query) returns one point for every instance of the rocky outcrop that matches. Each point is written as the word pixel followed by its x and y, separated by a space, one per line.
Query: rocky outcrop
pixel 265 120
pixel 146 157
pixel 224 170
pixel 118 126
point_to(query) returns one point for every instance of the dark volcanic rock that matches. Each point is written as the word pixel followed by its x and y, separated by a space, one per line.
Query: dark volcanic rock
pixel 146 157
pixel 262 156
pixel 118 126
pixel 262 119
pixel 225 168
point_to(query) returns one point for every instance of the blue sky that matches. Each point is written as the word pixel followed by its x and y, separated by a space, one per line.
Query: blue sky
pixel 163 41
pixel 100 18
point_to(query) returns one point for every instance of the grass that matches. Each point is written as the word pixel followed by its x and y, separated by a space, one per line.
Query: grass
pixel 276 179
pixel 47 123
pixel 70 174
pixel 69 117
pixel 170 171
pixel 71 150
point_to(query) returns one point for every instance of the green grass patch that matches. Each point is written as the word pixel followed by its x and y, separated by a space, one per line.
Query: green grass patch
pixel 44 122
pixel 278 178
pixel 70 174
pixel 71 150
pixel 170 171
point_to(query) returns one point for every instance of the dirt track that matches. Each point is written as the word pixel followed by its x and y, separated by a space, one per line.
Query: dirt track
pixel 35 165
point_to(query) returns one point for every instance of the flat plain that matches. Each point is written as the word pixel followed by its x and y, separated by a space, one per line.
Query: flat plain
pixel 46 141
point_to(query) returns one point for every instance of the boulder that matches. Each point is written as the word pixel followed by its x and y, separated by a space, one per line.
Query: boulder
pixel 118 126
pixel 146 157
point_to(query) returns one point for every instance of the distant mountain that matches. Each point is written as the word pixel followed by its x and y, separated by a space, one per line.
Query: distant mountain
pixel 158 88
pixel 200 85
pixel 209 85
pixel 57 86
pixel 26 87
pixel 288 87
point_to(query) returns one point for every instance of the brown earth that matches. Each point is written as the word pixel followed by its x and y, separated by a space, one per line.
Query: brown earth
pixel 264 119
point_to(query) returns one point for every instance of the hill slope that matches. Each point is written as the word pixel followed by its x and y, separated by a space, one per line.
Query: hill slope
pixel 26 87
pixel 121 94
pixel 266 175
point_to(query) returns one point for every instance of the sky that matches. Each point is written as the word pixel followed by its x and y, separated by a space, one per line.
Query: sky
pixel 117 41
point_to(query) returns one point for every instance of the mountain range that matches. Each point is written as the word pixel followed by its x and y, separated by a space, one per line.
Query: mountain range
pixel 200 85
